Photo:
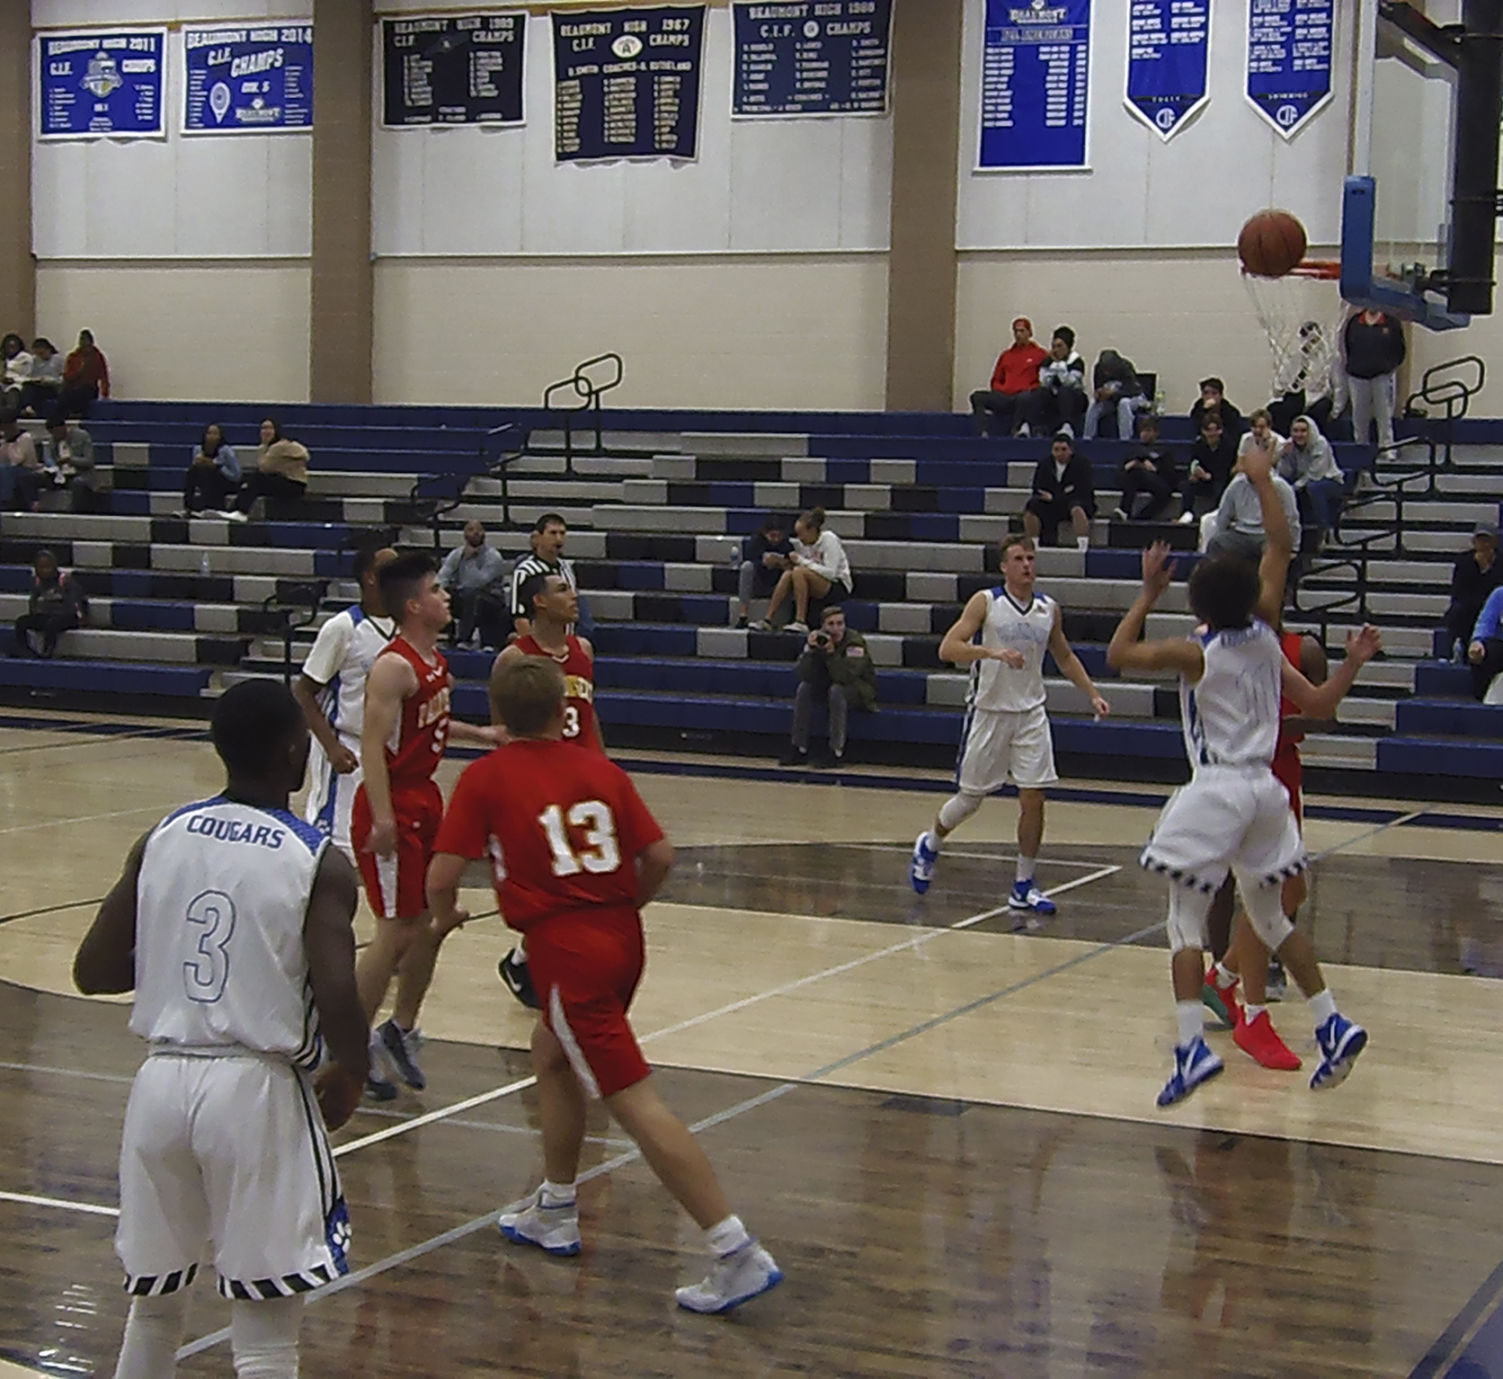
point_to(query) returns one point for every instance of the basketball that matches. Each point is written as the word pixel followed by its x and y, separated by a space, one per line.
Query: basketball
pixel 1271 243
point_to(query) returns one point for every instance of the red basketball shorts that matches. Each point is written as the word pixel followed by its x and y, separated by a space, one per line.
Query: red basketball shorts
pixel 1291 773
pixel 396 885
pixel 586 967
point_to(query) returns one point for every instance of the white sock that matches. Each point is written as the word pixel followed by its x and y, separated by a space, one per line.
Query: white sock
pixel 263 1337
pixel 933 841
pixel 556 1194
pixel 727 1237
pixel 1192 1021
pixel 1322 1007
pixel 1252 1012
pixel 1225 979
pixel 1026 868
pixel 153 1332
pixel 519 952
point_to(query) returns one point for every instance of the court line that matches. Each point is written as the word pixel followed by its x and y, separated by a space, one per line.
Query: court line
pixel 83 738
pixel 85 1208
pixel 50 909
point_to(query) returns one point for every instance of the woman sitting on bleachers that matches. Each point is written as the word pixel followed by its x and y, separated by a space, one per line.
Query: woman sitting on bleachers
pixel 214 476
pixel 1309 464
pixel 56 605
pixel 281 472
pixel 818 570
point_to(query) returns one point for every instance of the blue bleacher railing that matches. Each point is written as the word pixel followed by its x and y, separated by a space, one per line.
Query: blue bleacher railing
pixel 589 388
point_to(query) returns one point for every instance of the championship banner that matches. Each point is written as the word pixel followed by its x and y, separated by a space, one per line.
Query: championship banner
pixel 102 84
pixel 1289 49
pixel 251 79
pixel 626 83
pixel 1168 47
pixel 821 57
pixel 452 70
pixel 1035 85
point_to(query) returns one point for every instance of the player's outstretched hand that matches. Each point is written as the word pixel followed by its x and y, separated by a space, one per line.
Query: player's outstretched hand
pixel 1158 568
pixel 338 1091
pixel 1257 464
pixel 1099 706
pixel 1364 644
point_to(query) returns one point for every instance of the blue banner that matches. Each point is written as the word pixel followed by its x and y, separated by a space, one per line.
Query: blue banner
pixel 828 57
pixel 626 83
pixel 1035 84
pixel 1289 51
pixel 103 84
pixel 452 69
pixel 252 79
pixel 1168 44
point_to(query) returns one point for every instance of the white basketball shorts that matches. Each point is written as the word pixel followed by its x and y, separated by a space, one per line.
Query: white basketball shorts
pixel 228 1150
pixel 997 745
pixel 1227 818
pixel 330 798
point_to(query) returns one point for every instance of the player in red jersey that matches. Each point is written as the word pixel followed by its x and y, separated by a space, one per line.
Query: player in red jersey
pixel 575 855
pixel 554 608
pixel 398 807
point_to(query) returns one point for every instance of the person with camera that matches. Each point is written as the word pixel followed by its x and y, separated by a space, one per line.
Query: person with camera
pixel 836 669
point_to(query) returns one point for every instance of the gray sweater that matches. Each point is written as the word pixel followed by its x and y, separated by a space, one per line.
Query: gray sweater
pixel 1241 509
pixel 474 572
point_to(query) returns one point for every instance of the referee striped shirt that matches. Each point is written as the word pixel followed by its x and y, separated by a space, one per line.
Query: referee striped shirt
pixel 536 565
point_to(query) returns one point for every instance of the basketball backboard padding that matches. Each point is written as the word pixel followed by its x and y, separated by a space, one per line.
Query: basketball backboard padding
pixel 1363 285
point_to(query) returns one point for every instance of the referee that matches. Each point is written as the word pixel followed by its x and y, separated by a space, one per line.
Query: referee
pixel 547 558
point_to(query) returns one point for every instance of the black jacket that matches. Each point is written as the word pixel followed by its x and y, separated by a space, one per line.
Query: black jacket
pixel 1076 485
pixel 1164 464
pixel 1231 419
pixel 1218 462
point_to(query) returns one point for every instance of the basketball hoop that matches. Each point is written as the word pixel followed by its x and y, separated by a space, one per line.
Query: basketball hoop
pixel 1300 314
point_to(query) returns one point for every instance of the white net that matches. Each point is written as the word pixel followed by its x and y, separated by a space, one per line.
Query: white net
pixel 1300 314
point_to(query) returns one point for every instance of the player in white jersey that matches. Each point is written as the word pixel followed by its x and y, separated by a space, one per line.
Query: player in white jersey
pixel 1002 634
pixel 331 690
pixel 232 923
pixel 1234 814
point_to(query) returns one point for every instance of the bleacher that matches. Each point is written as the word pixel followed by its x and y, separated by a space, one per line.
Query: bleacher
pixel 180 608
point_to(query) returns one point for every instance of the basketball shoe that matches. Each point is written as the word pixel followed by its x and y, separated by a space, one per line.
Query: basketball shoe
pixel 1258 1039
pixel 553 1229
pixel 1221 1001
pixel 1025 895
pixel 1340 1042
pixel 733 1279
pixel 516 977
pixel 399 1051
pixel 1194 1063
pixel 921 873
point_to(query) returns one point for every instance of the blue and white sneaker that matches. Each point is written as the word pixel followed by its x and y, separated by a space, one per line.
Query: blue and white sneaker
pixel 398 1049
pixel 921 873
pixel 552 1229
pixel 1193 1064
pixel 735 1278
pixel 1027 896
pixel 1340 1042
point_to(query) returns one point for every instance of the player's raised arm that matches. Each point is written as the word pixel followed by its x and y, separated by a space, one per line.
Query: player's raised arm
pixel 105 964
pixel 329 939
pixel 958 645
pixel 1127 652
pixel 1071 667
pixel 1278 550
pixel 392 680
pixel 1321 701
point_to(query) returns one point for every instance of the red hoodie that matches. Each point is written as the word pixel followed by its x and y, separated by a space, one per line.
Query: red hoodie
pixel 1018 367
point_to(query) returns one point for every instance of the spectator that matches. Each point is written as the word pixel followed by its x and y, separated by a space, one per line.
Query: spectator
pixel 45 388
pixel 1118 391
pixel 1237 524
pixel 1213 399
pixel 1212 459
pixel 1309 465
pixel 1063 491
pixel 1485 653
pixel 86 376
pixel 764 556
pixel 475 576
pixel 1313 389
pixel 836 670
pixel 21 475
pixel 1150 470
pixel 549 533
pixel 1059 401
pixel 1261 437
pixel 281 472
pixel 817 569
pixel 56 605
pixel 68 458
pixel 1372 348
pixel 1016 375
pixel 214 476
pixel 1476 574
pixel 15 371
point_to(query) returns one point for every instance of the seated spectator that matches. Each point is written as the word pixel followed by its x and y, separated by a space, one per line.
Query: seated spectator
pixel 1149 472
pixel 1059 401
pixel 1212 459
pixel 1117 392
pixel 68 459
pixel 1260 436
pixel 281 472
pixel 1313 390
pixel 836 670
pixel 21 475
pixel 56 605
pixel 44 389
pixel 1064 490
pixel 1309 465
pixel 1485 652
pixel 86 376
pixel 214 476
pixel 1213 399
pixel 475 576
pixel 15 371
pixel 764 557
pixel 1237 524
pixel 1476 574
pixel 818 568
pixel 549 533
pixel 1016 375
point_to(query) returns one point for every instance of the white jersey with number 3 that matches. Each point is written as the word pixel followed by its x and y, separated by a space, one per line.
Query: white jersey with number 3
pixel 221 901
pixel 1231 716
pixel 1022 627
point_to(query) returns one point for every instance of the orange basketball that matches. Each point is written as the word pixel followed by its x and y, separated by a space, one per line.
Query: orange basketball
pixel 1271 243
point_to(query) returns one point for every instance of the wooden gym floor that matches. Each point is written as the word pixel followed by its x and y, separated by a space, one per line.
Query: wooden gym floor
pixel 943 1128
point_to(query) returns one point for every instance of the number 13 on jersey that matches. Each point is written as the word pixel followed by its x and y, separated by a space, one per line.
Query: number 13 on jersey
pixel 600 853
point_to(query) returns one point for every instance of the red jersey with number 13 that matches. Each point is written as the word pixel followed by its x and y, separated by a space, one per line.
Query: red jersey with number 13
pixel 579 688
pixel 417 744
